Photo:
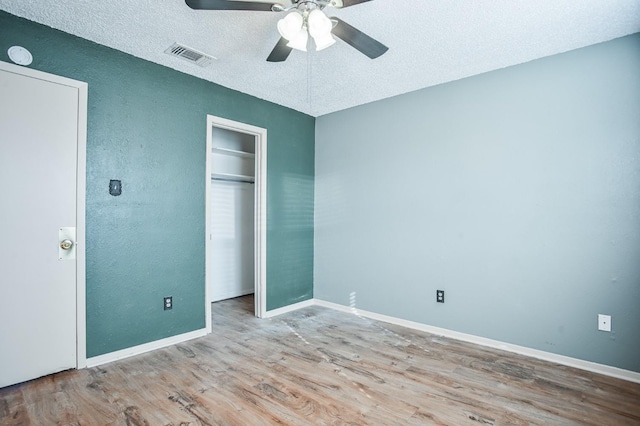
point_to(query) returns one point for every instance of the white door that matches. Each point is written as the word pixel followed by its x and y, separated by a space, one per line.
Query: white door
pixel 233 165
pixel 232 240
pixel 38 166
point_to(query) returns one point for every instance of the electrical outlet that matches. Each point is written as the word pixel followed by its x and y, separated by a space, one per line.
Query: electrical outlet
pixel 440 296
pixel 604 322
pixel 168 303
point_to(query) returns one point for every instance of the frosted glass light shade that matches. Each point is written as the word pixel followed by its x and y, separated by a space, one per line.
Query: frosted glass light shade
pixel 290 26
pixel 299 42
pixel 324 41
pixel 319 24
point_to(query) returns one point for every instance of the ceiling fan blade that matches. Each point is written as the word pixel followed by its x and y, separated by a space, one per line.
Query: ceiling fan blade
pixel 347 3
pixel 358 40
pixel 280 52
pixel 229 5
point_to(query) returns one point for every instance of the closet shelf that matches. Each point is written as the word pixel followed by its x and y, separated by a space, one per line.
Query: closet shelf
pixel 232 178
pixel 233 152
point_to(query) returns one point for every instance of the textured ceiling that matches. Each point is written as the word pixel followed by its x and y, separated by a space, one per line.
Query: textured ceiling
pixel 430 42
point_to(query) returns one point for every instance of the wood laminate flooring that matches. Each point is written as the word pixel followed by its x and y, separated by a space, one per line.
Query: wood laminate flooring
pixel 319 366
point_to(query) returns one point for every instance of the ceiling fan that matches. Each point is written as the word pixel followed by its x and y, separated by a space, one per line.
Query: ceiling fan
pixel 306 18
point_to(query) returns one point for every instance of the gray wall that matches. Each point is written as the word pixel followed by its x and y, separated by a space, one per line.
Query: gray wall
pixel 516 191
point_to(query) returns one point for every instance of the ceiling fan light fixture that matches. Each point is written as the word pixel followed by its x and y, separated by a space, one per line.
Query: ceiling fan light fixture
pixel 290 26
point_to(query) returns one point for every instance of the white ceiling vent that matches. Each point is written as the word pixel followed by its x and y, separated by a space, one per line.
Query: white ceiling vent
pixel 189 54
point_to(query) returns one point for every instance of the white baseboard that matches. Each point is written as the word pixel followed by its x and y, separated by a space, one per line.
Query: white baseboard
pixel 275 312
pixel 146 347
pixel 606 370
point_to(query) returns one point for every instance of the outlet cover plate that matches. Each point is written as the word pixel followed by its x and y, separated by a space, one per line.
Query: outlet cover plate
pixel 604 322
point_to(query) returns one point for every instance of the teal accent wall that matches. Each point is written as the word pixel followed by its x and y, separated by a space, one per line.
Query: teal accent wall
pixel 147 127
pixel 516 191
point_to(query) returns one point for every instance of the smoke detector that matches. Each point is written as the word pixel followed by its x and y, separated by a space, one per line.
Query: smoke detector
pixel 20 55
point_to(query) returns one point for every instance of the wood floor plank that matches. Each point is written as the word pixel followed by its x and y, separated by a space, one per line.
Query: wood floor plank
pixel 317 366
pixel 13 410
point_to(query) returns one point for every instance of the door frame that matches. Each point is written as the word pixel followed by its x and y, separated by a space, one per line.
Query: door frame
pixel 259 214
pixel 81 185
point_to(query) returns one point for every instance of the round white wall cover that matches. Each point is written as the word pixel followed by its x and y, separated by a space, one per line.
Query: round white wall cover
pixel 20 55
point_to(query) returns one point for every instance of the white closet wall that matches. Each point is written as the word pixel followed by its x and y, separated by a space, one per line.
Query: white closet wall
pixel 232 214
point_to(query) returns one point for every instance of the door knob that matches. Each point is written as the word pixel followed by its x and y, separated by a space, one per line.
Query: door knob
pixel 67 243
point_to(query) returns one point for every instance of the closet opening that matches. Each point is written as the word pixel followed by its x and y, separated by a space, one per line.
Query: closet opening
pixel 235 213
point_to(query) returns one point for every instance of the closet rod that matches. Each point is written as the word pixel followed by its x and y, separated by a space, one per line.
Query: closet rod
pixel 232 180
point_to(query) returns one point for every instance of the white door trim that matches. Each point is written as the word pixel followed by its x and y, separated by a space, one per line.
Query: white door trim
pixel 260 210
pixel 81 184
